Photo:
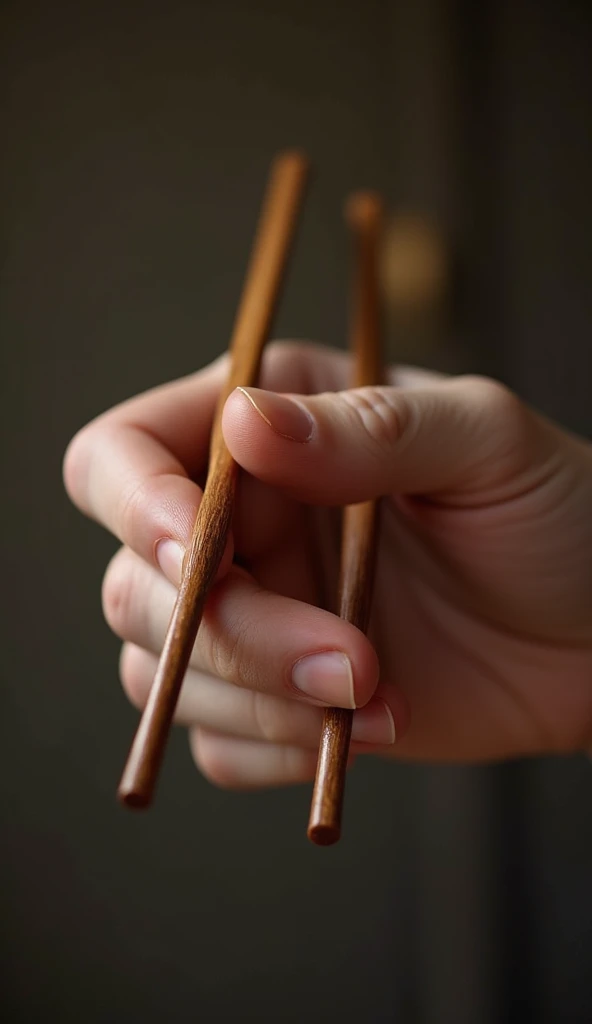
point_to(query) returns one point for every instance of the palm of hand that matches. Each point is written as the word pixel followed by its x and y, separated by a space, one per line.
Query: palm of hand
pixel 480 613
pixel 461 625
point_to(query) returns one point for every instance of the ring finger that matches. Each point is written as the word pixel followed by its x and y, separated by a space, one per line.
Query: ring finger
pixel 249 714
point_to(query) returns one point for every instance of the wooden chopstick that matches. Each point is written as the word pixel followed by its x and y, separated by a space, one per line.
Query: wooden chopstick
pixel 364 215
pixel 274 238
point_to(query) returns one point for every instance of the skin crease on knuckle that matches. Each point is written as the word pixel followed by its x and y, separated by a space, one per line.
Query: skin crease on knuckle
pixel 223 654
pixel 128 595
pixel 223 642
pixel 117 592
pixel 382 414
pixel 157 507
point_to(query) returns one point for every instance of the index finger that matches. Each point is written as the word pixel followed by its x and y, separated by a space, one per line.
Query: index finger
pixel 133 468
pixel 129 469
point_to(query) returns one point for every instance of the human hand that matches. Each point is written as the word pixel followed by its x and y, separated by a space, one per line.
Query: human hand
pixel 480 645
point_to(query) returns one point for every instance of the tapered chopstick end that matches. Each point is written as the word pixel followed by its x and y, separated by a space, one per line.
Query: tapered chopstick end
pixel 134 800
pixel 294 158
pixel 364 210
pixel 137 785
pixel 324 834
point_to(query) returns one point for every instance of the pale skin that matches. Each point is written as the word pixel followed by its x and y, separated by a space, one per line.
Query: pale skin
pixel 480 646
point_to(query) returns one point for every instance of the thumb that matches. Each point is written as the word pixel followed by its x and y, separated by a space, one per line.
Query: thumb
pixel 463 436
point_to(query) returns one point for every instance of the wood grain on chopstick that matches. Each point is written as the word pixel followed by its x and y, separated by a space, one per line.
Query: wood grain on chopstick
pixel 261 291
pixel 364 214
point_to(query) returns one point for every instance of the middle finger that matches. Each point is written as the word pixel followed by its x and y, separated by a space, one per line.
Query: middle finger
pixel 248 636
pixel 223 708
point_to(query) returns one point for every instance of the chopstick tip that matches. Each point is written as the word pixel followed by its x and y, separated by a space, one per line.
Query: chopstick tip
pixel 294 159
pixel 364 209
pixel 323 834
pixel 133 799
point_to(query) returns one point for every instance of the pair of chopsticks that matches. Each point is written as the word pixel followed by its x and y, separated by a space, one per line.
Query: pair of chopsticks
pixel 275 235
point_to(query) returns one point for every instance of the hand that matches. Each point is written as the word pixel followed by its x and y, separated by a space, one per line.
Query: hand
pixel 480 644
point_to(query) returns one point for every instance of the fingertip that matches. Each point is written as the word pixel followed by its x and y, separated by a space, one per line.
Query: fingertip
pixel 237 415
pixel 366 668
pixel 74 468
pixel 235 405
pixel 240 427
pixel 263 429
pixel 169 556
pixel 135 674
pixel 342 673
pixel 382 723
pixel 398 705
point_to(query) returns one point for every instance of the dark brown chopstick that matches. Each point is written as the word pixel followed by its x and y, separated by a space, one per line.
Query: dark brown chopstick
pixel 364 214
pixel 275 235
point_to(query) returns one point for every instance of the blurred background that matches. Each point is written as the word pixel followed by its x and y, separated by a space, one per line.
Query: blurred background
pixel 136 139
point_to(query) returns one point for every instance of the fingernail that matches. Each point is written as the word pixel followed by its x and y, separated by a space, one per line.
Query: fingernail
pixel 374 723
pixel 326 677
pixel 169 555
pixel 285 416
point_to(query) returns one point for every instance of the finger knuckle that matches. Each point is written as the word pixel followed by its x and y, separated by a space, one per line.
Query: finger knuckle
pixel 223 654
pixel 380 414
pixel 76 465
pixel 495 400
pixel 117 593
pixel 224 647
pixel 133 507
